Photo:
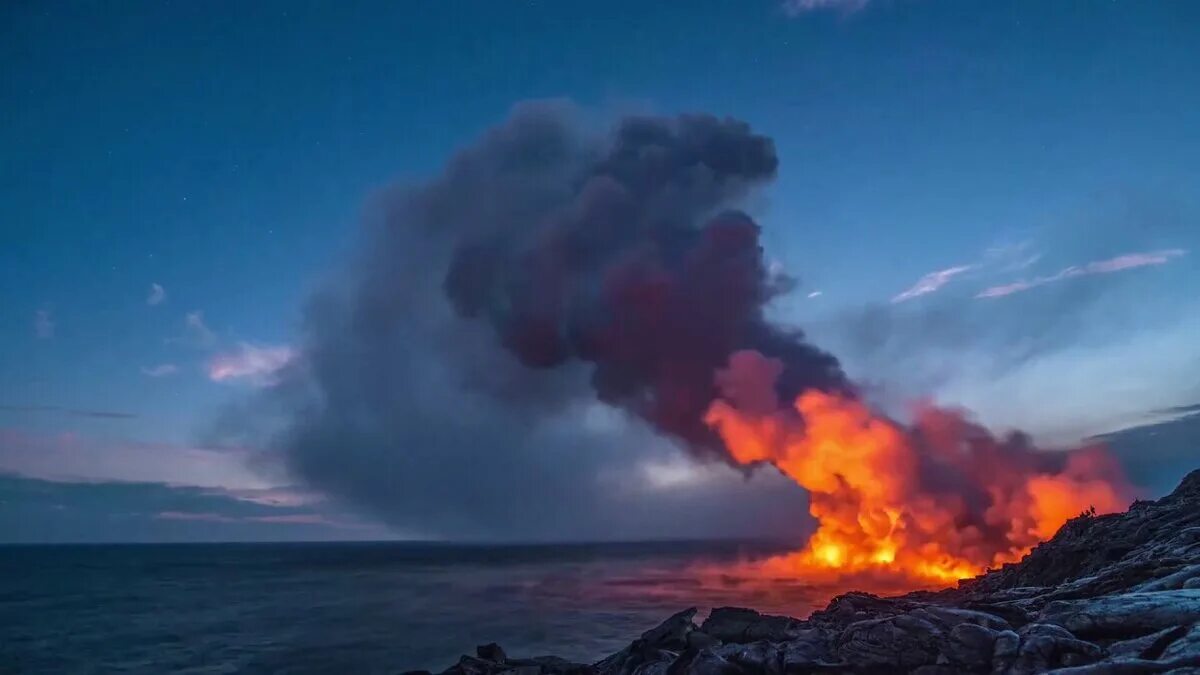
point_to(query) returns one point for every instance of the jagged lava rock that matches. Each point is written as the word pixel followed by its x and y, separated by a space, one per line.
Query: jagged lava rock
pixel 1107 594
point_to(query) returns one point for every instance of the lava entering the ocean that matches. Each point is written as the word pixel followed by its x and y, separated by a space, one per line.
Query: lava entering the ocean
pixel 905 507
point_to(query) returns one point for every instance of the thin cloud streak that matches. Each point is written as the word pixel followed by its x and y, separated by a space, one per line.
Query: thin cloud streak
pixel 253 363
pixel 931 282
pixel 73 412
pixel 70 457
pixel 307 519
pixel 799 7
pixel 205 516
pixel 282 519
pixel 161 370
pixel 1011 257
pixel 283 496
pixel 1122 262
pixel 98 510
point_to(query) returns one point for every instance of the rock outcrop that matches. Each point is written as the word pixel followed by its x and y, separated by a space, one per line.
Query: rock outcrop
pixel 1108 594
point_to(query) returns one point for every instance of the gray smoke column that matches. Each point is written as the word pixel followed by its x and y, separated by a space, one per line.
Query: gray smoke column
pixel 450 377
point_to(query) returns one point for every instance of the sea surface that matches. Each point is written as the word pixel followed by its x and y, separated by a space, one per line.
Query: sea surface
pixel 354 607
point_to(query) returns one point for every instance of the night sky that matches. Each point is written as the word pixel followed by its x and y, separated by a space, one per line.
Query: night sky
pixel 989 205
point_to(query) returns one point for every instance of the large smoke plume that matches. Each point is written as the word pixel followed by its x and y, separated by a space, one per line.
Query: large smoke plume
pixel 640 269
pixel 545 268
pixel 460 375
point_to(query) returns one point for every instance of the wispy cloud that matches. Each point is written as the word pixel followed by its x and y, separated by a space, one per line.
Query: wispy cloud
pixel 196 332
pixel 157 295
pixel 1010 257
pixel 282 496
pixel 799 7
pixel 73 412
pixel 931 282
pixel 54 510
pixel 305 519
pixel 280 519
pixel 198 329
pixel 1132 260
pixel 815 294
pixel 1193 409
pixel 196 515
pixel 1122 262
pixel 257 364
pixel 43 324
pixel 1006 257
pixel 161 370
pixel 68 456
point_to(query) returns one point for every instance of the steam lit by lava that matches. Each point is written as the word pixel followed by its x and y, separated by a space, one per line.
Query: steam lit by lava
pixel 626 255
pixel 900 508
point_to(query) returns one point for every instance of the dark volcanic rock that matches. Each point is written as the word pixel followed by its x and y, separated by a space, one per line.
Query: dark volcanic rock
pixel 490 652
pixel 672 633
pixel 656 650
pixel 1114 552
pixel 1106 595
pixel 1126 615
pixel 899 642
pixel 735 624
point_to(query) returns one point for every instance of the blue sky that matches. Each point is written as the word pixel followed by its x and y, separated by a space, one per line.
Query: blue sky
pixel 224 152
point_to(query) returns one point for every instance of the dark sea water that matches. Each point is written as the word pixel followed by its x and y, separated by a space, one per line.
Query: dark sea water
pixel 352 608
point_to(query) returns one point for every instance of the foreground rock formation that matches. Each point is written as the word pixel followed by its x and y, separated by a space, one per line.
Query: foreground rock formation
pixel 1108 594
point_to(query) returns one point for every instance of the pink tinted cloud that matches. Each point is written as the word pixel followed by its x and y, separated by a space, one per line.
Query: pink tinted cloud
pixel 210 517
pixel 256 364
pixel 931 282
pixel 195 515
pixel 1122 262
pixel 282 497
pixel 281 519
pixel 1132 260
pixel 297 519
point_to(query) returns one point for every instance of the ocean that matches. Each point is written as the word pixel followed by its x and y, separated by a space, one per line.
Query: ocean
pixel 353 607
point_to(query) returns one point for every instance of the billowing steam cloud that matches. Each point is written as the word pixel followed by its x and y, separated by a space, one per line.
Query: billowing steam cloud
pixel 544 269
pixel 642 272
pixel 464 376
pixel 924 504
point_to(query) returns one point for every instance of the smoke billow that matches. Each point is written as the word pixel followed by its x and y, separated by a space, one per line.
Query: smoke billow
pixel 641 271
pixel 450 380
pixel 477 370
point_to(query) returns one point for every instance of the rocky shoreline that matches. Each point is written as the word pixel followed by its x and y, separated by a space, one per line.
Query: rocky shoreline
pixel 1118 594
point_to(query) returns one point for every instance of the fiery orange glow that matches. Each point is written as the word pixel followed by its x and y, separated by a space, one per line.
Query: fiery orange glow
pixel 906 507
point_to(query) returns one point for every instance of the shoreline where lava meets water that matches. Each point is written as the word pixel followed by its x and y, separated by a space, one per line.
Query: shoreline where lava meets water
pixel 1115 593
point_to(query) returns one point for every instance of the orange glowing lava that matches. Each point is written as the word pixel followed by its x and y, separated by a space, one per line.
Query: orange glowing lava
pixel 901 508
